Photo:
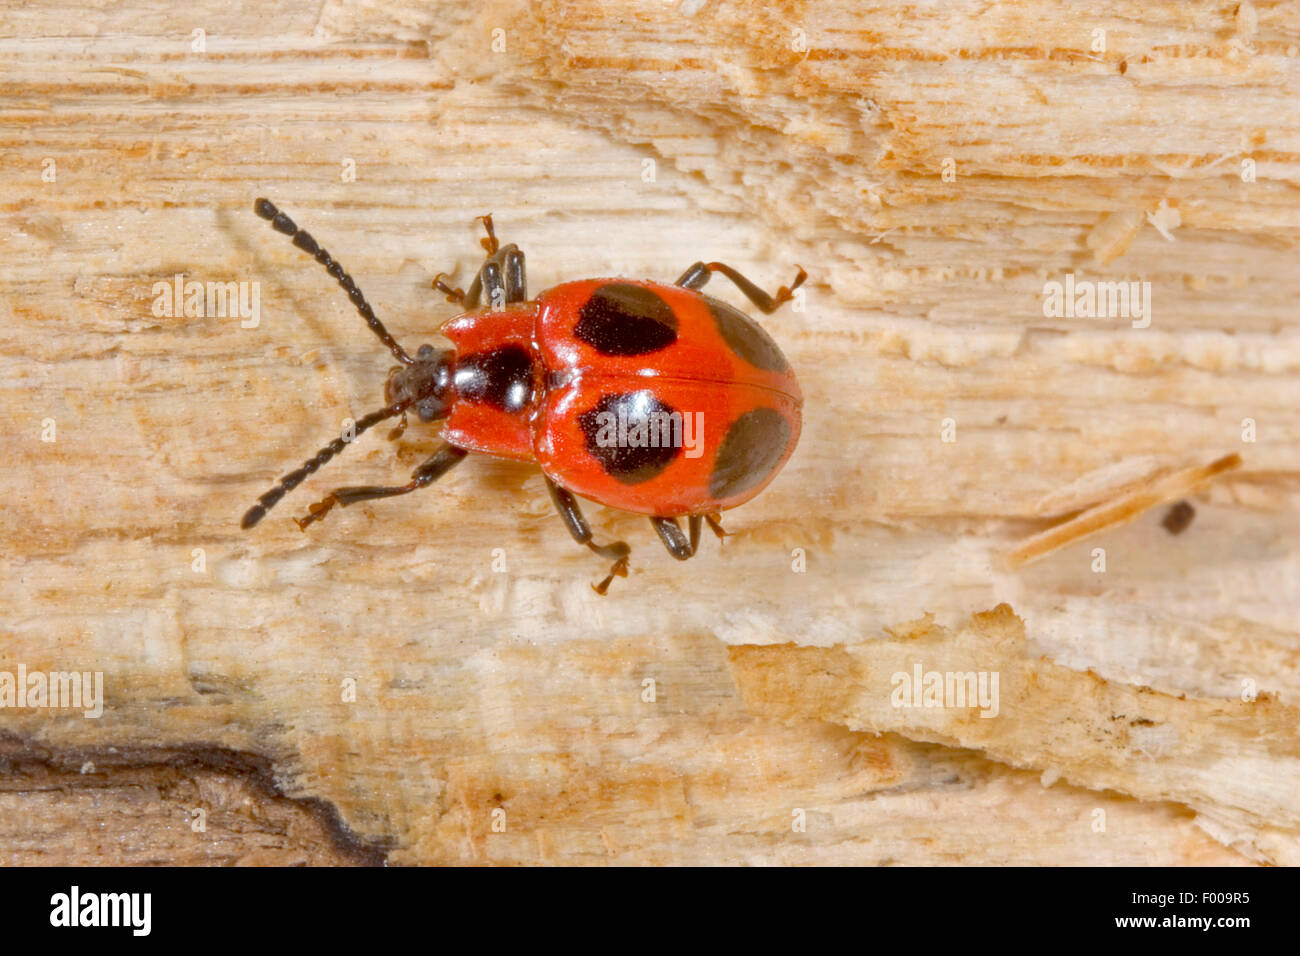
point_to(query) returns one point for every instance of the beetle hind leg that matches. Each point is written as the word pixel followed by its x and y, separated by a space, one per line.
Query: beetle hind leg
pixel 571 514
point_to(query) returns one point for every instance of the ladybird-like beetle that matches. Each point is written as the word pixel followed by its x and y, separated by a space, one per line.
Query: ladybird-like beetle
pixel 597 381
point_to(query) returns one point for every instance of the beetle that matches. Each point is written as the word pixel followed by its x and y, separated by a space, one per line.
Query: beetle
pixel 596 381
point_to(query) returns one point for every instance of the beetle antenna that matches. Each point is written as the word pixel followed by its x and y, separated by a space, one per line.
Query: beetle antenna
pixel 295 478
pixel 303 240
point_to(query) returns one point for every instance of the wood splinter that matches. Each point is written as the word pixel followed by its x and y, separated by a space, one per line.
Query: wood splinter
pixel 1156 490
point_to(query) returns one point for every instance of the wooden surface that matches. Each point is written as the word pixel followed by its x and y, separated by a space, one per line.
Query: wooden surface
pixel 1157 697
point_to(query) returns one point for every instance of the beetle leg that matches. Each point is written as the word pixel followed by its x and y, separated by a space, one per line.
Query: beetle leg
pixel 442 461
pixel 697 275
pixel 296 477
pixel 619 569
pixel 487 284
pixel 512 264
pixel 695 533
pixel 674 538
pixel 571 515
pixel 715 524
pixel 397 432
pixel 500 281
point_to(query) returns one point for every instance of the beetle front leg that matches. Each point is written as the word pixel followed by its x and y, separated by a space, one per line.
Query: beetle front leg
pixel 501 281
pixel 441 462
pixel 512 267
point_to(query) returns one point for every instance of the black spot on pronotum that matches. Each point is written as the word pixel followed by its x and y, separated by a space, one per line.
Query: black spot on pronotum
pixel 625 319
pixel 746 337
pixel 502 378
pixel 754 444
pixel 632 435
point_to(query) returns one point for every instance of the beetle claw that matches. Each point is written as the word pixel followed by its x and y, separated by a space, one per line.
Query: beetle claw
pixel 715 525
pixel 786 293
pixel 315 512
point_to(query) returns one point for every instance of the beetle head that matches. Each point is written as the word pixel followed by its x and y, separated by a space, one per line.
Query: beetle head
pixel 425 384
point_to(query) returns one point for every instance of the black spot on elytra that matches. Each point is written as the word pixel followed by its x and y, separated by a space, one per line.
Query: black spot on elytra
pixel 625 319
pixel 617 451
pixel 746 337
pixel 754 444
pixel 502 378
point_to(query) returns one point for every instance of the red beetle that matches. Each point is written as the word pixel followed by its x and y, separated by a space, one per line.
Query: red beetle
pixel 655 399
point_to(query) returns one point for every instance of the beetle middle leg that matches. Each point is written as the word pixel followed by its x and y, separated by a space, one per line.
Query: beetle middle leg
pixel 697 275
pixel 571 514
pixel 441 462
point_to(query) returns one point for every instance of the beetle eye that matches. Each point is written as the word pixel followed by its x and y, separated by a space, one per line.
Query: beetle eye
pixel 425 352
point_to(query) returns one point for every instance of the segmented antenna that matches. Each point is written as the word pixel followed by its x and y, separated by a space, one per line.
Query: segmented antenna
pixel 295 478
pixel 303 240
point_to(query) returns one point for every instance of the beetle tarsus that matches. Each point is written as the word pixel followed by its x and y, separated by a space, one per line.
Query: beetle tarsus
pixel 619 570
pixel 452 293
pixel 490 243
pixel 316 512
